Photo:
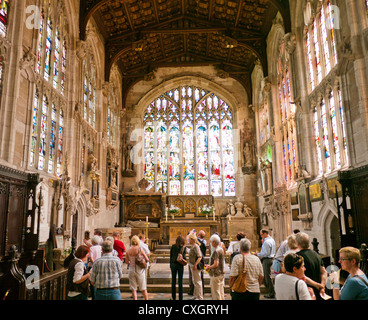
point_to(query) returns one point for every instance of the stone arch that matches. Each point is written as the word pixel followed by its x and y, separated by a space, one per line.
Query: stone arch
pixel 325 218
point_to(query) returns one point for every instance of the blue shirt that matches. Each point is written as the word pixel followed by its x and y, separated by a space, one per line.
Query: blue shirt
pixel 268 248
pixel 354 289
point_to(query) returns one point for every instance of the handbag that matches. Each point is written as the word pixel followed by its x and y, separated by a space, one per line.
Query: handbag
pixel 180 258
pixel 239 283
pixel 140 260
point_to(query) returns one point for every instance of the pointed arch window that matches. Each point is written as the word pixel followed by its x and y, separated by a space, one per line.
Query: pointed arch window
pixel 320 45
pixel 52 50
pixel 188 143
pixel 47 128
pixel 287 114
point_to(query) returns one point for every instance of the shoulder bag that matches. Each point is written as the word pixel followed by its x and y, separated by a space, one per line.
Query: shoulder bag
pixel 239 283
pixel 180 258
pixel 140 260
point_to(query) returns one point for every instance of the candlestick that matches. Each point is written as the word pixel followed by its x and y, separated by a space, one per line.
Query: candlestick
pixel 213 214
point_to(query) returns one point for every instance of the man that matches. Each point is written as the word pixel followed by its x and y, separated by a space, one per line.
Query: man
pixel 315 272
pixel 106 274
pixel 266 255
pixel 118 245
pixel 216 269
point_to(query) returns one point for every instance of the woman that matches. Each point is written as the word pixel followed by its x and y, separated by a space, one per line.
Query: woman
pixel 177 250
pixel 195 257
pixel 291 285
pixel 77 277
pixel 254 272
pixel 293 248
pixel 356 284
pixel 136 275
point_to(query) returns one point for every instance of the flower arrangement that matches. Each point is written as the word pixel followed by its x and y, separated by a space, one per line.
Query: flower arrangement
pixel 205 209
pixel 173 209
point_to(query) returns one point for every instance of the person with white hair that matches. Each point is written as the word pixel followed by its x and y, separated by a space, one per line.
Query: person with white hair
pixel 96 249
pixel 216 269
pixel 252 266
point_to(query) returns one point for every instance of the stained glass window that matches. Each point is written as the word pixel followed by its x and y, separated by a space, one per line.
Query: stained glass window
pixel 47 137
pixel 34 130
pixel 4 6
pixel 60 143
pixel 43 134
pixel 332 31
pixel 317 53
pixel 326 48
pixel 40 41
pixel 56 60
pixel 310 62
pixel 51 49
pixel 287 114
pixel 53 134
pixel 89 92
pixel 63 69
pixel 192 128
pixel 47 70
pixel 335 134
pixel 326 141
pixel 343 127
pixel 318 142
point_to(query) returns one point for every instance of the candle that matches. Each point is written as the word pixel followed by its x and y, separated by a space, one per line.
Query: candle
pixel 146 218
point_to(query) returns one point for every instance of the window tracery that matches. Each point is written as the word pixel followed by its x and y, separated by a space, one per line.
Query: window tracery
pixel 188 144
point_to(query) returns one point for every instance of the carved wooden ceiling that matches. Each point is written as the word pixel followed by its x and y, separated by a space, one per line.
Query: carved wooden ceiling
pixel 142 35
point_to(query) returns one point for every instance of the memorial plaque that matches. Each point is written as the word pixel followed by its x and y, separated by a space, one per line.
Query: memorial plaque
pixel 144 209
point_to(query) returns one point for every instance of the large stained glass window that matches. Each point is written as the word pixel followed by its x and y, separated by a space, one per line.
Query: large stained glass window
pixel 320 44
pixel 287 114
pixel 188 143
pixel 51 49
pixel 4 7
pixel 47 127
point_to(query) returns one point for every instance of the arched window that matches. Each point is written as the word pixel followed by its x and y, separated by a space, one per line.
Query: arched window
pixel 52 50
pixel 47 136
pixel 188 143
pixel 89 91
pixel 320 44
pixel 287 114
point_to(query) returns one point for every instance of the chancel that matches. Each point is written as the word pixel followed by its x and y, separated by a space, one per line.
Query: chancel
pixel 167 117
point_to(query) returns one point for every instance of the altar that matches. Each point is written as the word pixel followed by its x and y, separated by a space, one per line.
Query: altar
pixel 171 229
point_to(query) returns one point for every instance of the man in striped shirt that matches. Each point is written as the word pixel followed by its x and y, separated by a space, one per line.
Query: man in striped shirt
pixel 106 274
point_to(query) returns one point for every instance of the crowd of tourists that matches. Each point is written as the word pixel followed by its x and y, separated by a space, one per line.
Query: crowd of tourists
pixel 293 271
